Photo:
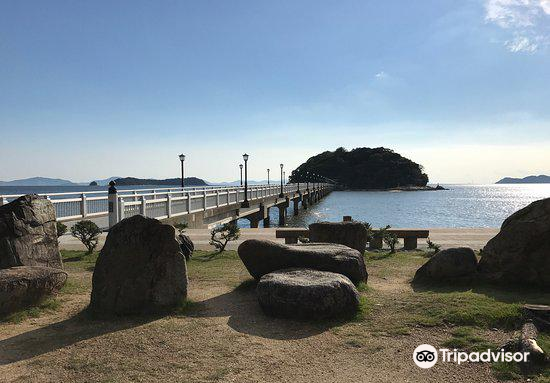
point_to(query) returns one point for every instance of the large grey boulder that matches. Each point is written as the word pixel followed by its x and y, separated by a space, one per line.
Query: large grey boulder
pixel 139 270
pixel 28 233
pixel 520 252
pixel 307 294
pixel 448 265
pixel 261 257
pixel 351 234
pixel 24 286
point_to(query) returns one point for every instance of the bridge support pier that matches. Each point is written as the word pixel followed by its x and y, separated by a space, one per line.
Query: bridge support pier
pixel 282 211
pixel 255 218
pixel 267 221
pixel 304 201
pixel 295 202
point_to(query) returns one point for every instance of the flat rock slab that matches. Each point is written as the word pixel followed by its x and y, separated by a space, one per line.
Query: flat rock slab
pixel 261 257
pixel 351 234
pixel 140 269
pixel 24 286
pixel 448 265
pixel 28 233
pixel 307 294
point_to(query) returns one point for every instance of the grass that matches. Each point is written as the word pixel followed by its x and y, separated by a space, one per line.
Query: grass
pixel 464 338
pixel 48 305
pixel 383 311
pixel 79 260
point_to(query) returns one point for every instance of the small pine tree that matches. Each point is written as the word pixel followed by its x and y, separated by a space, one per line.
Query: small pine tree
pixel 88 233
pixel 220 236
pixel 61 229
pixel 391 240
pixel 433 246
pixel 181 227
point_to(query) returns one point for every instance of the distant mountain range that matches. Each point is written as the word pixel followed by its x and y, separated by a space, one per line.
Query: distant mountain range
pixel 542 179
pixel 189 181
pixel 38 181
pixel 44 181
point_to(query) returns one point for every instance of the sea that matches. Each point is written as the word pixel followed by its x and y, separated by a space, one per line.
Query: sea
pixel 468 206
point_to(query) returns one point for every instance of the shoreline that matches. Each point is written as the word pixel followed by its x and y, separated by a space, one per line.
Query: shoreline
pixel 476 238
pixel 400 188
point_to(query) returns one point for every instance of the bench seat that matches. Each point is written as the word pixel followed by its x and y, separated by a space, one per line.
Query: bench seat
pixel 410 236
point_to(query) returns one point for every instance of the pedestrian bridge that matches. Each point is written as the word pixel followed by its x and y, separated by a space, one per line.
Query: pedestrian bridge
pixel 199 207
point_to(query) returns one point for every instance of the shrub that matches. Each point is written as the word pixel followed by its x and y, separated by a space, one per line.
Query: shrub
pixel 433 246
pixel 61 229
pixel 221 235
pixel 88 233
pixel 181 227
pixel 370 232
pixel 391 240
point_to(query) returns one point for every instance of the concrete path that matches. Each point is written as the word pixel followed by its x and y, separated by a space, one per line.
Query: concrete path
pixel 447 237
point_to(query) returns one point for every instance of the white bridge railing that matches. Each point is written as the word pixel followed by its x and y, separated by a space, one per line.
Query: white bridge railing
pixel 157 203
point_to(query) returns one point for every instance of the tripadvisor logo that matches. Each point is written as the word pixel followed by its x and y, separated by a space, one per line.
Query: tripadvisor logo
pixel 426 356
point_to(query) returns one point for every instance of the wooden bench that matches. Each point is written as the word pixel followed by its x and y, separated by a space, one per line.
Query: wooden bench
pixel 410 236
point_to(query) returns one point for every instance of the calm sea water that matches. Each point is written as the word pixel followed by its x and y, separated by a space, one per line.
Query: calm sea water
pixel 461 206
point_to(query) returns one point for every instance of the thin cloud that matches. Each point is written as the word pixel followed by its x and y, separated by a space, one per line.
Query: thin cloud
pixel 527 20
pixel 381 75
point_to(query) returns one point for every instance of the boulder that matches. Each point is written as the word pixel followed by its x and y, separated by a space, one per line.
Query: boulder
pixel 23 286
pixel 448 265
pixel 520 252
pixel 186 245
pixel 307 294
pixel 139 270
pixel 261 257
pixel 351 234
pixel 28 233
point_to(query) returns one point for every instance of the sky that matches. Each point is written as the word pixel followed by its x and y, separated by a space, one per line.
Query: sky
pixel 95 89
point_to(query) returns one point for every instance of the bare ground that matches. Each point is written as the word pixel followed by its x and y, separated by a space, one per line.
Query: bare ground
pixel 225 337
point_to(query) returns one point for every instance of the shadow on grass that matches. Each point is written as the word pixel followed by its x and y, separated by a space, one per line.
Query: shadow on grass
pixel 62 334
pixel 246 316
pixel 503 293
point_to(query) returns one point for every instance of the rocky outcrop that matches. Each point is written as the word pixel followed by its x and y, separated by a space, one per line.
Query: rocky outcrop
pixel 448 265
pixel 186 245
pixel 139 270
pixel 307 294
pixel 28 233
pixel 261 257
pixel 351 234
pixel 23 286
pixel 520 252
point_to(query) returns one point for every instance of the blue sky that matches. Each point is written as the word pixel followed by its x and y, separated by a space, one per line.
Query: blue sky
pixel 102 88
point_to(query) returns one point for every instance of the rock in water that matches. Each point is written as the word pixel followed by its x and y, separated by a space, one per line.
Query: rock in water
pixel 186 245
pixel 520 252
pixel 307 294
pixel 139 270
pixel 351 234
pixel 261 257
pixel 23 286
pixel 449 265
pixel 28 233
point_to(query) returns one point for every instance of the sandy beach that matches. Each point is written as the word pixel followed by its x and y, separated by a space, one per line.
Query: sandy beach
pixel 475 238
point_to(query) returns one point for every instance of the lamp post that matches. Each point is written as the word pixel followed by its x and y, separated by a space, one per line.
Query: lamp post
pixel 298 180
pixel 245 202
pixel 182 158
pixel 241 167
pixel 281 194
pixel 284 178
pixel 307 182
pixel 267 177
